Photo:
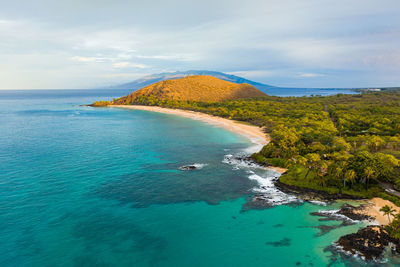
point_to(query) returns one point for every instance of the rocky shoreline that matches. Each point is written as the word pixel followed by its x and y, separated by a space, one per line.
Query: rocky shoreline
pixel 369 243
pixel 346 212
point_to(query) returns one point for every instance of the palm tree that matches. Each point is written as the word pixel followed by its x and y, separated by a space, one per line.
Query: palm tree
pixel 312 160
pixel 350 176
pixel 340 171
pixel 387 210
pixel 369 173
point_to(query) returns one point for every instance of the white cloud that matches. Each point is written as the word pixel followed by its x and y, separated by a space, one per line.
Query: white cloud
pixel 310 75
pixel 126 75
pixel 84 59
pixel 121 65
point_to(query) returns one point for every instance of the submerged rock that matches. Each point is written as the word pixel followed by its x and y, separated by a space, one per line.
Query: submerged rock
pixel 369 242
pixel 281 243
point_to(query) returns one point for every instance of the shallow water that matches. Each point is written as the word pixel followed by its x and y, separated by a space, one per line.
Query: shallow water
pixel 83 186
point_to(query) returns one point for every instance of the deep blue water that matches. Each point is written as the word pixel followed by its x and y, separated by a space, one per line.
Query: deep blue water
pixel 82 186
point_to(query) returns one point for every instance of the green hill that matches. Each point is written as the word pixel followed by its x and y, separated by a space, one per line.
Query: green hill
pixel 196 88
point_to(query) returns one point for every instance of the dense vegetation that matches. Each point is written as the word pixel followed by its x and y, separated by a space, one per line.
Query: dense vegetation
pixel 339 144
pixel 101 103
pixel 394 227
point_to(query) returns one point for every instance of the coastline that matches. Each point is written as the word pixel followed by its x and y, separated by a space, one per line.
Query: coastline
pixel 257 136
pixel 253 133
pixel 369 210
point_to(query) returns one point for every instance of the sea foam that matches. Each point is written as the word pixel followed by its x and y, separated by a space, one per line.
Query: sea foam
pixel 266 189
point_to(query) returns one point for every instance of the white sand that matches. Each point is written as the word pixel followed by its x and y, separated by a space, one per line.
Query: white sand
pixel 373 207
pixel 253 133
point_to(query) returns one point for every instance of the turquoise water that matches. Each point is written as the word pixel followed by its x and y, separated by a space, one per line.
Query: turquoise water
pixel 81 186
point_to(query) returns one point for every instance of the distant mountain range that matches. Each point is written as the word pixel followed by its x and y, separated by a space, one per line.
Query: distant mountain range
pixel 150 79
pixel 268 89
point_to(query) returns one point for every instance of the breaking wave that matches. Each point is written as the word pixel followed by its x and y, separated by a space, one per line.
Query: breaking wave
pixel 266 189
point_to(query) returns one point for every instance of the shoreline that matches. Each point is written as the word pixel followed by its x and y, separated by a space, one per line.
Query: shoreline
pixel 256 136
pixel 252 133
pixel 372 209
pixel 368 211
pixel 368 207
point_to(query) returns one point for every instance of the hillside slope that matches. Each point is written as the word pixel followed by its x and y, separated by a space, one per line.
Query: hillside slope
pixel 196 88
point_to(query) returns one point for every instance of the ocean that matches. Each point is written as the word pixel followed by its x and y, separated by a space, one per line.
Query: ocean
pixel 83 186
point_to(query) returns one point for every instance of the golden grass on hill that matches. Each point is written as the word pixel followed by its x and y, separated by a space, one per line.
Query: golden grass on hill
pixel 196 88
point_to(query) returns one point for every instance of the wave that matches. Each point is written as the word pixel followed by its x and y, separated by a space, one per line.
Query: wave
pixel 334 214
pixel 266 190
pixel 240 161
pixel 253 149
pixel 200 165
pixel 317 202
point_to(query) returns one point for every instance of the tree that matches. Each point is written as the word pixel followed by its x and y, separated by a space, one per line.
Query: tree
pixel 374 142
pixel 384 165
pixel 395 142
pixel 369 173
pixel 302 161
pixel 394 227
pixel 339 144
pixel 313 160
pixel 285 138
pixel 350 176
pixel 338 171
pixel 321 171
pixel 387 210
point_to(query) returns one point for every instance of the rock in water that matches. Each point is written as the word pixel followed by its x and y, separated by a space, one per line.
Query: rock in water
pixel 188 168
pixel 368 242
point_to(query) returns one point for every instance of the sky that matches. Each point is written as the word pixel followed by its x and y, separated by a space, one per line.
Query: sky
pixel 47 44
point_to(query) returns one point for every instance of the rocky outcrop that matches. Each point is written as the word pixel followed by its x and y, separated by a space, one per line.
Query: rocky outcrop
pixel 369 243
pixel 348 214
pixel 353 213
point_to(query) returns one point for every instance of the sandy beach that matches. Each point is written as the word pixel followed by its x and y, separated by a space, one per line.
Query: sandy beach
pixel 253 133
pixel 372 209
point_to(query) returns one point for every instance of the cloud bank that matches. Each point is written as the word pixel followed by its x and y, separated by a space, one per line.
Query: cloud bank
pixel 70 44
